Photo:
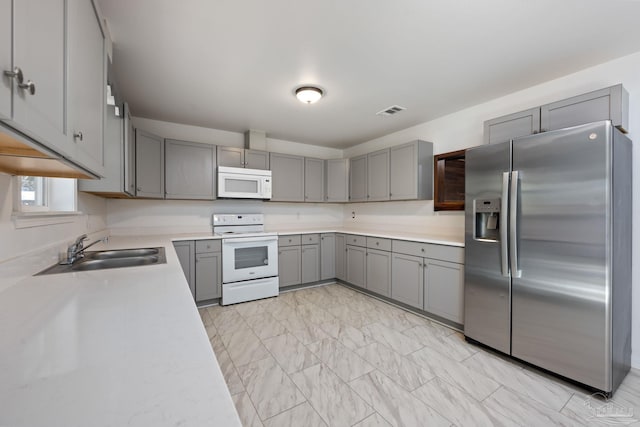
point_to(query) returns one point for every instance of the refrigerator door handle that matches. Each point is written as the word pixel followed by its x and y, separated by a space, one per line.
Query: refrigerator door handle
pixel 504 231
pixel 513 225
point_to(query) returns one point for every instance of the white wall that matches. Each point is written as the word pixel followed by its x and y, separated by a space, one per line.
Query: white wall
pixel 464 129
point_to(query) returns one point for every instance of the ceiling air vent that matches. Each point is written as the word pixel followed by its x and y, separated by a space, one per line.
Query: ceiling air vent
pixel 390 111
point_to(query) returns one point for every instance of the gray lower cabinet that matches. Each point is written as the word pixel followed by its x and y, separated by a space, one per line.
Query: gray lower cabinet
pixel 149 165
pixel 208 269
pixel 287 175
pixel 341 255
pixel 310 260
pixel 189 170
pixel 337 180
pixel 407 280
pixel 444 289
pixel 505 128
pixel 313 180
pixel 378 275
pixel 186 256
pixel 378 175
pixel 411 171
pixel 356 263
pixel 290 265
pixel 358 179
pixel 327 256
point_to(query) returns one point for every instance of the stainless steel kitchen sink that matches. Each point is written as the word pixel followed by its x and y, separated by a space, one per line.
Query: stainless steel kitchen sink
pixel 116 258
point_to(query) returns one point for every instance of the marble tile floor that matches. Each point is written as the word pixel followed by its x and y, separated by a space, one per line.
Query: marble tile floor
pixel 331 356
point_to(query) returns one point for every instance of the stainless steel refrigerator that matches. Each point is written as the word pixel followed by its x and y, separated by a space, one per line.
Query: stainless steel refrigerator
pixel 548 251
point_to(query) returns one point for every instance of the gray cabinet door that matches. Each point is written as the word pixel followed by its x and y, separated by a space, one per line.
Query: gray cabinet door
pixel 444 289
pixel 357 265
pixel 407 280
pixel 256 159
pixel 290 265
pixel 129 152
pixel 411 171
pixel 505 128
pixel 86 84
pixel 186 255
pixel 327 256
pixel 611 103
pixel 378 175
pixel 313 180
pixel 149 165
pixel 287 176
pixel 310 263
pixel 230 156
pixel 341 257
pixel 337 180
pixel 189 170
pixel 5 58
pixel 379 272
pixel 208 276
pixel 358 179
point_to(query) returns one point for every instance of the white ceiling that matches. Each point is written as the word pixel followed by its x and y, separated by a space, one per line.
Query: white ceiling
pixel 234 64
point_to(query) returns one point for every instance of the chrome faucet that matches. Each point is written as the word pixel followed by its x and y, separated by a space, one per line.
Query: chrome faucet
pixel 75 251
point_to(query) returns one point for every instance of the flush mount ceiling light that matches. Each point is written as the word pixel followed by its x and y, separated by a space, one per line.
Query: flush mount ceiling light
pixel 309 94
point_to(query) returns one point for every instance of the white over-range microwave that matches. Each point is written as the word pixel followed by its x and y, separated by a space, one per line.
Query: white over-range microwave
pixel 240 183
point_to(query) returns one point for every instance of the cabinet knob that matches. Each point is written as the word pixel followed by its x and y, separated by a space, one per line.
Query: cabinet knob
pixel 377 243
pixel 422 249
pixel 15 74
pixel 29 86
pixel 78 135
pixel 139 188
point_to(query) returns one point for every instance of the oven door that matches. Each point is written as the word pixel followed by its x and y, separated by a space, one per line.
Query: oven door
pixel 246 258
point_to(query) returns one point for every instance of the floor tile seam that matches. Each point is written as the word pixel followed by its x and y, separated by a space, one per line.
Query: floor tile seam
pixel 463 391
pixel 370 415
pixel 253 405
pixel 525 397
pixel 292 408
pixel 282 367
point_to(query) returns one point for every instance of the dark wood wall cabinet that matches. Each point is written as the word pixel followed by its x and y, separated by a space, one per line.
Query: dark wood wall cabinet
pixel 448 182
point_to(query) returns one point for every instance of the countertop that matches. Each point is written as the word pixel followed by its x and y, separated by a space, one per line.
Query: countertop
pixel 120 347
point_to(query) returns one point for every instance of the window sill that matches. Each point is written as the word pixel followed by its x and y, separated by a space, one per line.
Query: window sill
pixel 41 219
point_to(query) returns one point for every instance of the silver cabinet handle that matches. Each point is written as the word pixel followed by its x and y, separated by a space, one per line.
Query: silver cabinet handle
pixel 29 86
pixel 15 74
pixel 78 135
pixel 503 221
pixel 513 225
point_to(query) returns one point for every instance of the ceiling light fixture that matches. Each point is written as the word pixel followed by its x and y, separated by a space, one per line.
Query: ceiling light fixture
pixel 309 94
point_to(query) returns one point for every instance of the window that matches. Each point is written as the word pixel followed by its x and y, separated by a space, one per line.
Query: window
pixel 45 195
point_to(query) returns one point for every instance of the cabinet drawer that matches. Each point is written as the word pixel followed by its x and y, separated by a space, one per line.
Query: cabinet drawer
pixel 204 246
pixel 354 240
pixel 378 243
pixel 292 240
pixel 310 239
pixel 428 250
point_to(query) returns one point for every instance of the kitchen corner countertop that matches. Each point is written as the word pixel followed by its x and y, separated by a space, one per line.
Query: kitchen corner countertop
pixel 118 347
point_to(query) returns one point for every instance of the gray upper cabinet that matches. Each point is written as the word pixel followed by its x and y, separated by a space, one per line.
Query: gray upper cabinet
pixel 327 256
pixel 313 180
pixel 341 254
pixel 411 171
pixel 378 175
pixel 189 170
pixel 358 179
pixel 186 255
pixel 310 263
pixel 611 103
pixel 379 272
pixel 149 165
pixel 407 280
pixel 243 158
pixel 86 84
pixel 38 47
pixel 5 58
pixel 356 261
pixel 289 265
pixel 505 128
pixel 444 289
pixel 129 152
pixel 337 180
pixel 287 175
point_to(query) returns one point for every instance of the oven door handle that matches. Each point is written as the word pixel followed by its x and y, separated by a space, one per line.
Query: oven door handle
pixel 251 239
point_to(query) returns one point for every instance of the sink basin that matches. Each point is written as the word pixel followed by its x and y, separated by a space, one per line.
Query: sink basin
pixel 114 258
pixel 123 253
pixel 100 264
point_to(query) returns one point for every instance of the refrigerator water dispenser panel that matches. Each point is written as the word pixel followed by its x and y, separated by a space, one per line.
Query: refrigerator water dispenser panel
pixel 487 219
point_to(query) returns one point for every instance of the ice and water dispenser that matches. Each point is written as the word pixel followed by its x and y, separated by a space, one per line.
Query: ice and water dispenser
pixel 487 219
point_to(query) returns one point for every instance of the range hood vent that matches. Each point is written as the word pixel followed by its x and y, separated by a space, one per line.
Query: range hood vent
pixel 390 111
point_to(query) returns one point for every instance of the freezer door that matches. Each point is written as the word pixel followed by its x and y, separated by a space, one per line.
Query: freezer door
pixel 560 318
pixel 486 278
